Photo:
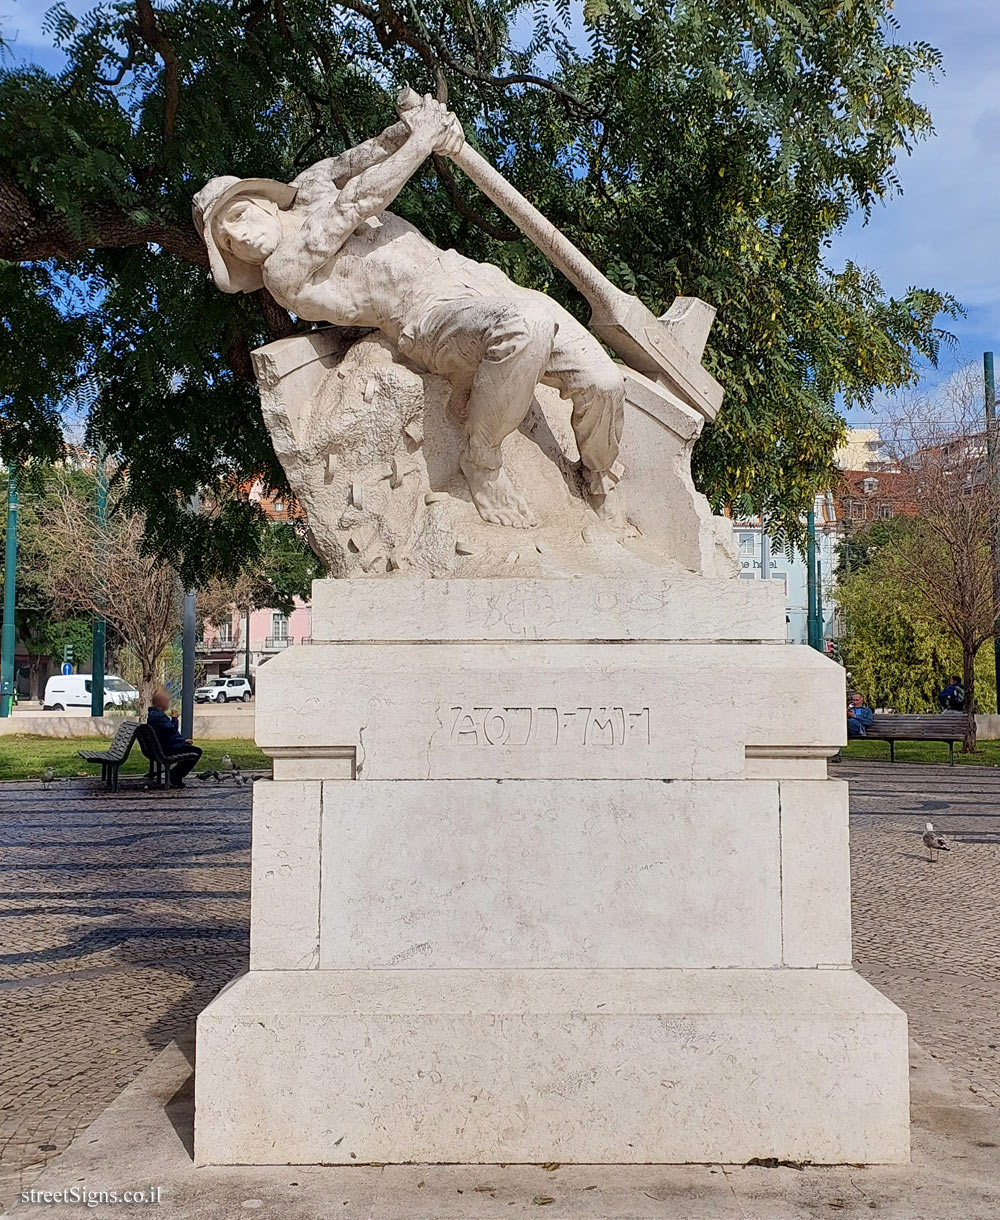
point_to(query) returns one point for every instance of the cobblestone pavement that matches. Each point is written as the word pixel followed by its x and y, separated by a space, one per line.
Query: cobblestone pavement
pixel 123 915
pixel 928 935
pixel 120 918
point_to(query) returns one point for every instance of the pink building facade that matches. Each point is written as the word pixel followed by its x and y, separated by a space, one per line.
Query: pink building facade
pixel 222 649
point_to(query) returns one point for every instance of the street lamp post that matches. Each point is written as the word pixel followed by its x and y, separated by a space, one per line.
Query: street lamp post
pixel 994 476
pixel 9 590
pixel 187 652
pixel 100 630
pixel 811 632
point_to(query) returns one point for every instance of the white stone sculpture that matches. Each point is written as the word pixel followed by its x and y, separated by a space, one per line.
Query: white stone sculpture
pixel 466 357
pixel 549 868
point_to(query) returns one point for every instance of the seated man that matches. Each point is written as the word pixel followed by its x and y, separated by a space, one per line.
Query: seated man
pixel 171 742
pixel 952 698
pixel 859 717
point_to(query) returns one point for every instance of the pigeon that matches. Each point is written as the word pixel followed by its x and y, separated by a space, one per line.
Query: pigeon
pixel 933 842
pixel 204 775
pixel 48 775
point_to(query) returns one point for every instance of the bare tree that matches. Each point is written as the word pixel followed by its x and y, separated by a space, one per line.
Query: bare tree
pixel 97 571
pixel 948 555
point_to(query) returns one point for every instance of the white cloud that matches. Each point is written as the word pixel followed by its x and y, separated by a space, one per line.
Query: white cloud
pixel 942 232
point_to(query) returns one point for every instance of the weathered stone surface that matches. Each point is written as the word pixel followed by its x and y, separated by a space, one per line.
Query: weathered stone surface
pixel 594 1066
pixel 610 608
pixel 472 874
pixel 815 874
pixel 284 912
pixel 534 710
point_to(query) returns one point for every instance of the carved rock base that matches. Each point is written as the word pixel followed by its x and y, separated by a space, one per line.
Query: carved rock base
pixel 542 878
pixel 371 448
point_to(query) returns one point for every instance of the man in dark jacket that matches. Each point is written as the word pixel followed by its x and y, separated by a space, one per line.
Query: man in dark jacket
pixel 171 742
pixel 952 698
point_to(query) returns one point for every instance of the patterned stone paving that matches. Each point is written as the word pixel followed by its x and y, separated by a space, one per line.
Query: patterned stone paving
pixel 928 935
pixel 121 916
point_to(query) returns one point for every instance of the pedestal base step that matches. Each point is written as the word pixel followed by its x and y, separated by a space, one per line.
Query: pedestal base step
pixel 575 1066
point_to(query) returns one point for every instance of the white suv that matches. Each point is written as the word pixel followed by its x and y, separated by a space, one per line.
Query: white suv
pixel 224 690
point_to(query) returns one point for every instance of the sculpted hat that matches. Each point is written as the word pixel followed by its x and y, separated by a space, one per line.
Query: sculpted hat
pixel 230 273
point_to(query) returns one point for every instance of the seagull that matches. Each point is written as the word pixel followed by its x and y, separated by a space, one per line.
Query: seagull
pixel 48 775
pixel 933 842
pixel 226 762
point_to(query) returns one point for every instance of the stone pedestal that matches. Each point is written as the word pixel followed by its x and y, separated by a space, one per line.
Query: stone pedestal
pixel 550 870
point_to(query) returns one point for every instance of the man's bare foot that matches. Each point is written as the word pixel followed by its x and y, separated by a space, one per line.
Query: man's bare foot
pixel 496 498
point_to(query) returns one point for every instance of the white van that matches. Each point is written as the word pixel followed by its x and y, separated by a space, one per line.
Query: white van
pixel 64 691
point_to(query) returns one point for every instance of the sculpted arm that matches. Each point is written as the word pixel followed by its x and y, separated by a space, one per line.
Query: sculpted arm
pixel 430 128
pixel 353 161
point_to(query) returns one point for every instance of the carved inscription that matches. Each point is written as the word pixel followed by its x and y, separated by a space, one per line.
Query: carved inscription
pixel 599 725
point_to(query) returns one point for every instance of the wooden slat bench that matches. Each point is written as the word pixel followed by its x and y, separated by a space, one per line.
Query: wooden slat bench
pixel 112 758
pixel 944 726
pixel 160 763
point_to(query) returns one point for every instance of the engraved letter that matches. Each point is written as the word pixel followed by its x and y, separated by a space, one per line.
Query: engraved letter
pixel 463 728
pixel 638 726
pixel 495 728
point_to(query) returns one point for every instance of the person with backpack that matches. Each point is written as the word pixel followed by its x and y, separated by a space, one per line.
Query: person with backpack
pixel 952 698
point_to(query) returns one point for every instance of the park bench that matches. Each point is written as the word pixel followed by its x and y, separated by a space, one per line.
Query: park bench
pixel 160 764
pixel 112 758
pixel 942 726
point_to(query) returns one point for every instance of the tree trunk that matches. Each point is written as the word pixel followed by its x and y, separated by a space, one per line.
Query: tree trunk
pixel 969 682
pixel 35 660
pixel 146 683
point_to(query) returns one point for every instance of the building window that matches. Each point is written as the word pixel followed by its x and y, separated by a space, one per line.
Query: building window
pixel 747 544
pixel 279 626
pixel 748 576
pixel 855 510
pixel 782 579
pixel 870 486
pixel 883 512
pixel 225 635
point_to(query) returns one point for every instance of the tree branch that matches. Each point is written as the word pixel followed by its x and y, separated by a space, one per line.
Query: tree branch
pixel 464 208
pixel 30 233
pixel 152 36
pixel 434 51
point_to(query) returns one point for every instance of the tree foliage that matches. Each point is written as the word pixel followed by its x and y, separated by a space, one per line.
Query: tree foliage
pixel 896 655
pixel 285 571
pixel 938 568
pixel 705 147
pixel 39 623
pixel 107 570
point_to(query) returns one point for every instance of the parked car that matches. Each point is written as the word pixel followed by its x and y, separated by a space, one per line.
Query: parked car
pixel 74 690
pixel 224 690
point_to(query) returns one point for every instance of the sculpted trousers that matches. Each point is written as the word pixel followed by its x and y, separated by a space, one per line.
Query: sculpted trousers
pixel 499 348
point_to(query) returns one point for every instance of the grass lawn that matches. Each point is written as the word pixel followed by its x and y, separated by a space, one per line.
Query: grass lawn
pixel 987 754
pixel 25 756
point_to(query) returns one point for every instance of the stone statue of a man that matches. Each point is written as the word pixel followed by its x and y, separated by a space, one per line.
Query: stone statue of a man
pixel 327 250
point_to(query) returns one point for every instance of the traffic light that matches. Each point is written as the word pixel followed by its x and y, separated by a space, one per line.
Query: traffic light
pixel 67 654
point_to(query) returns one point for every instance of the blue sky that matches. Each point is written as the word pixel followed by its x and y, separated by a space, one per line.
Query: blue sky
pixel 941 233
